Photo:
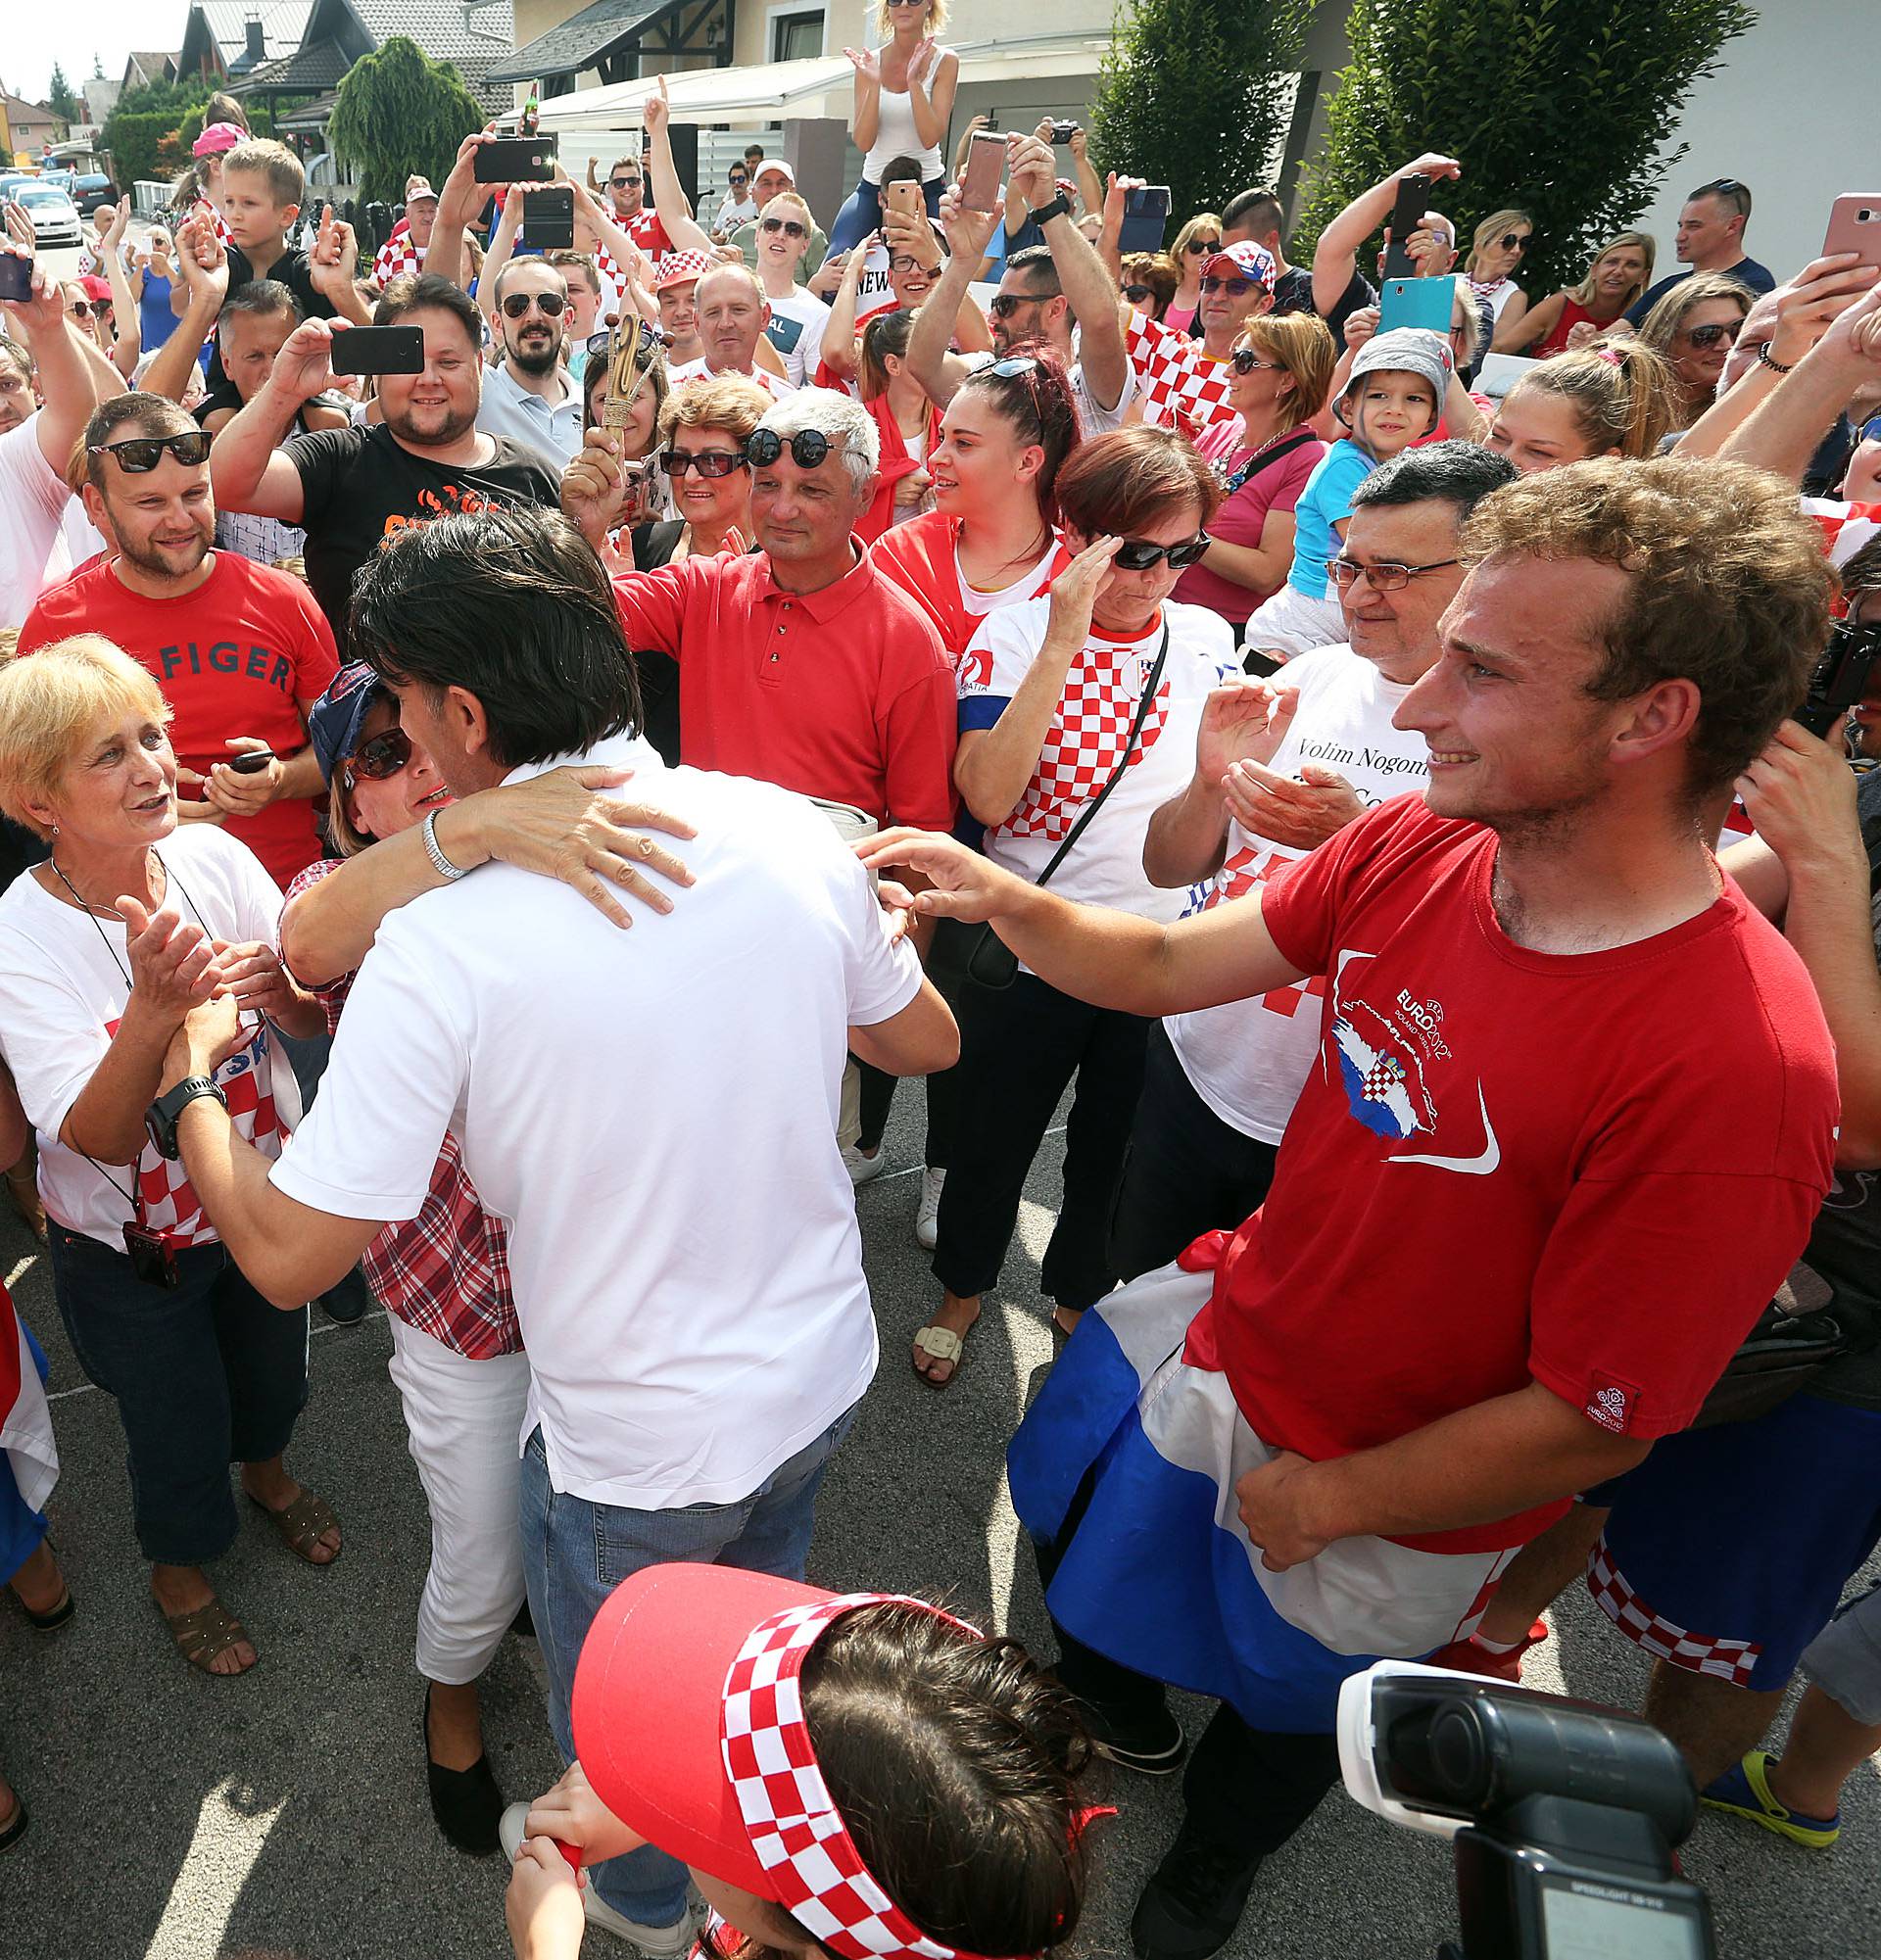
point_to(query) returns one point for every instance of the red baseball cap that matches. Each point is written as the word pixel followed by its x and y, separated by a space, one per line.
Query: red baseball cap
pixel 676 268
pixel 1243 259
pixel 94 288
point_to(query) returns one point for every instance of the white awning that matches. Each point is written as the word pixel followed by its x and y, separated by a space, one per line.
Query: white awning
pixel 817 87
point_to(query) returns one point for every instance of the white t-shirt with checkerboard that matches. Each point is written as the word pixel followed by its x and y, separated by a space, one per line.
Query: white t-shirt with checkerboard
pixel 1249 1059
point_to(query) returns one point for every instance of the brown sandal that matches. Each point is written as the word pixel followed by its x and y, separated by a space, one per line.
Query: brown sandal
pixel 302 1523
pixel 204 1636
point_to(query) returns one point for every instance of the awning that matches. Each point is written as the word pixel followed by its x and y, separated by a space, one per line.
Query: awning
pixel 820 86
pixel 311 119
pixel 580 41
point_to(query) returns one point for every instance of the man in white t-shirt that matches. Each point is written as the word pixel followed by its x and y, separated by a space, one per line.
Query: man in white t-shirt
pixel 37 447
pixel 797 316
pixel 1278 769
pixel 732 314
pixel 693 1299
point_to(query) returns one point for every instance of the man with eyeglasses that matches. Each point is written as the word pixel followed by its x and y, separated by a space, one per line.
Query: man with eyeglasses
pixel 737 206
pixel 240 650
pixel 527 397
pixel 1711 239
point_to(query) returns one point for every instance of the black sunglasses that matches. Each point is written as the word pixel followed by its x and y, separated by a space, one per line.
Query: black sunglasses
pixel 1138 554
pixel 1203 245
pixel 1135 293
pixel 739 183
pixel 651 337
pixel 707 462
pixel 384 755
pixel 1233 288
pixel 1515 241
pixel 788 225
pixel 1710 336
pixel 552 305
pixel 1244 360
pixel 1002 306
pixel 138 455
pixel 808 447
pixel 79 310
pixel 625 183
pixel 1014 365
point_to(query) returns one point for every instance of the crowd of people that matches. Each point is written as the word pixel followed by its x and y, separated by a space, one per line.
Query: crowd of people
pixel 1379 805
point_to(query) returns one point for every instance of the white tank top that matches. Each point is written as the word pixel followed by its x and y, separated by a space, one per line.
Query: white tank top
pixel 895 136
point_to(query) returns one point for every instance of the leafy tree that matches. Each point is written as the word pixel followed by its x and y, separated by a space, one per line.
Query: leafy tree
pixel 59 98
pixel 398 112
pixel 1193 94
pixel 1557 107
pixel 140 128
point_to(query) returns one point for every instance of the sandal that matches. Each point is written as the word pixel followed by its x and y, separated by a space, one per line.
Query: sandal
pixel 53 1617
pixel 301 1524
pixel 15 1828
pixel 939 1344
pixel 204 1636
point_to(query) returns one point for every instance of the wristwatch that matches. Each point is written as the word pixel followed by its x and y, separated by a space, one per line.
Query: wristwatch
pixel 1059 207
pixel 160 1119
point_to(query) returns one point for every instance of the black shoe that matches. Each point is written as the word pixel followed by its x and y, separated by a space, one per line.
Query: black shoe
pixel 347 1301
pixel 15 1828
pixel 467 1802
pixel 1149 1748
pixel 523 1626
pixel 1194 1900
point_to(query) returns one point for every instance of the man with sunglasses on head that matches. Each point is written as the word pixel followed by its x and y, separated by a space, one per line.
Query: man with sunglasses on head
pixel 240 650
pixel 1711 239
pixel 528 398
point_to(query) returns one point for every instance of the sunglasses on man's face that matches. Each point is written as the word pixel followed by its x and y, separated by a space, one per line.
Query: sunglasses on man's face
pixel 739 183
pixel 789 226
pixel 385 754
pixel 808 447
pixel 1710 336
pixel 138 455
pixel 625 183
pixel 706 462
pixel 1233 288
pixel 1002 306
pixel 1138 554
pixel 1203 245
pixel 552 305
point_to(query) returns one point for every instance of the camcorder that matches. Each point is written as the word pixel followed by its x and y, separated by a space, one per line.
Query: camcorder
pixel 1563 1814
pixel 1840 677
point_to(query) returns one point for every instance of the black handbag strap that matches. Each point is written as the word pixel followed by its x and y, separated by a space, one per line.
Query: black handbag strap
pixel 1096 803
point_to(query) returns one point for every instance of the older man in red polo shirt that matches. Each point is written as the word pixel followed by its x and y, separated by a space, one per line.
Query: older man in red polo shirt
pixel 798 663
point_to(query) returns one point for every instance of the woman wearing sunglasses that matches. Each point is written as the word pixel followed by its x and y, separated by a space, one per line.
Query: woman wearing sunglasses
pixel 1695 326
pixel 1149 282
pixel 1195 245
pixel 1619 273
pixel 1078 721
pixel 1496 251
pixel 443 1277
pixel 903 103
pixel 797 315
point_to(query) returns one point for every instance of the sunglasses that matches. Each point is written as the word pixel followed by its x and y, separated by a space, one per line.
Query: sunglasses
pixel 1710 336
pixel 651 337
pixel 1233 288
pixel 1515 241
pixel 552 305
pixel 739 183
pixel 138 455
pixel 625 183
pixel 384 755
pixel 1244 360
pixel 79 310
pixel 1203 245
pixel 1138 554
pixel 808 447
pixel 1135 293
pixel 706 462
pixel 1013 365
pixel 1344 571
pixel 1002 306
pixel 788 225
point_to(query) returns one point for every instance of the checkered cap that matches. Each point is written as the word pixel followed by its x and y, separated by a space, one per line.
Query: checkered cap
pixel 676 267
pixel 1243 259
pixel 797 1832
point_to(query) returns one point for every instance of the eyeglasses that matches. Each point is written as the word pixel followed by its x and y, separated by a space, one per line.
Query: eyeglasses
pixel 1516 241
pixel 1244 360
pixel 1710 336
pixel 705 462
pixel 1002 306
pixel 1138 554
pixel 1135 293
pixel 1233 288
pixel 138 455
pixel 552 305
pixel 625 183
pixel 1203 245
pixel 1344 571
pixel 808 447
pixel 903 262
pixel 384 755
pixel 788 225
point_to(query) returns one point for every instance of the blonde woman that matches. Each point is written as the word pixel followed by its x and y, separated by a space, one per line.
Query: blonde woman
pixel 1618 399
pixel 903 103
pixel 1695 326
pixel 1195 244
pixel 1496 253
pixel 1621 271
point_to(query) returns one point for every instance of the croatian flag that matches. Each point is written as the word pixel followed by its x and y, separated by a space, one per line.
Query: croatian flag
pixel 26 1421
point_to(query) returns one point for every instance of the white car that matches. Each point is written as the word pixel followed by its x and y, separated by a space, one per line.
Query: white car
pixel 55 217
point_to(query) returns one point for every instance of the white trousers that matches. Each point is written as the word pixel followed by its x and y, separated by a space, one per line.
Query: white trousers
pixel 465 1423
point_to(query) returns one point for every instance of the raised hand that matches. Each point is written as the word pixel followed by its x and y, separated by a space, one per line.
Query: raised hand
pixel 866 63
pixel 1074 592
pixel 1032 168
pixel 114 233
pixel 1241 720
pixel 303 368
pixel 594 485
pixel 1432 163
pixel 968 232
pixel 923 61
pixel 656 112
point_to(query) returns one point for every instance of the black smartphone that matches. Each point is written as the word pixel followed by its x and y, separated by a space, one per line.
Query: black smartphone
pixel 516 160
pixel 1414 197
pixel 548 219
pixel 15 276
pixel 1063 132
pixel 379 350
pixel 1146 220
pixel 252 761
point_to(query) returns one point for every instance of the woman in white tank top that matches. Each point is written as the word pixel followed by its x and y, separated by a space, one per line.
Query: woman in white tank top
pixel 903 100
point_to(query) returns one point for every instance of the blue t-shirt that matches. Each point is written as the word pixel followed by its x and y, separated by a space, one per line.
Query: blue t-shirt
pixel 1746 272
pixel 154 316
pixel 1326 500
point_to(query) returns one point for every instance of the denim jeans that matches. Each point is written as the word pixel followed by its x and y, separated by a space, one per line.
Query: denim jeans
pixel 575 1552
pixel 205 1375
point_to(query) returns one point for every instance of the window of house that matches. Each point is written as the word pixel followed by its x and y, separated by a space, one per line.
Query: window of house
pixel 796 36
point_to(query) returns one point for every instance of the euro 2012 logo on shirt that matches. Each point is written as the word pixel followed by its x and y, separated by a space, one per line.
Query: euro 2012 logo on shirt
pixel 1382 1074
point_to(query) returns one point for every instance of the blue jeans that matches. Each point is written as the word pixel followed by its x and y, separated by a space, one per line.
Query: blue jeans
pixel 575 1552
pixel 205 1375
pixel 862 214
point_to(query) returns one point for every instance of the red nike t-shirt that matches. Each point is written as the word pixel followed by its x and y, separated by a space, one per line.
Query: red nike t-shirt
pixel 1590 1171
pixel 235 657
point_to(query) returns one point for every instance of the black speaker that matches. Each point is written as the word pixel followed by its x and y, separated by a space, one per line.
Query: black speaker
pixel 683 137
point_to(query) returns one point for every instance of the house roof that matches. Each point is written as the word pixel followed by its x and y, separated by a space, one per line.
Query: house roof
pixel 36 111
pixel 320 66
pixel 152 62
pixel 224 24
pixel 580 41
pixel 438 26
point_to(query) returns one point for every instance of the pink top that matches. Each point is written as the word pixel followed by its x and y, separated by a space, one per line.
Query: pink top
pixel 1179 319
pixel 1276 486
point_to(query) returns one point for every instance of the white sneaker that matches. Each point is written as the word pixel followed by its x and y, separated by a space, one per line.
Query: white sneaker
pixel 658 1943
pixel 927 1213
pixel 860 1166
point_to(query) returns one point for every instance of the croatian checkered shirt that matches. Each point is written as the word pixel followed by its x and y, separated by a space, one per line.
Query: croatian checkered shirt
pixel 446 1272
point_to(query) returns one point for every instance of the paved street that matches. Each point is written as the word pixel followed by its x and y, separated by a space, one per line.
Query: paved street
pixel 283 1814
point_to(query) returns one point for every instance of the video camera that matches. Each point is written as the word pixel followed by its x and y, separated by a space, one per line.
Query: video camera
pixel 1840 677
pixel 1563 1814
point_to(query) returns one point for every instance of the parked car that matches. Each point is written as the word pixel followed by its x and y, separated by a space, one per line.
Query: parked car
pixel 93 189
pixel 55 217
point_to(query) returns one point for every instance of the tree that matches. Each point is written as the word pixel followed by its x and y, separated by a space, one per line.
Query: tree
pixel 143 120
pixel 1193 94
pixel 398 112
pixel 97 67
pixel 60 98
pixel 1555 106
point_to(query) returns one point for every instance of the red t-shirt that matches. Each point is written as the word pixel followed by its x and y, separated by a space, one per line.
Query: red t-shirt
pixel 1591 1171
pixel 235 657
pixel 843 693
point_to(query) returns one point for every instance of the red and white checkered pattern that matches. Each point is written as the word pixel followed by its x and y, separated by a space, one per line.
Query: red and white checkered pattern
pixel 1845 527
pixel 398 257
pixel 1084 744
pixel 1182 388
pixel 797 1833
pixel 1731 1660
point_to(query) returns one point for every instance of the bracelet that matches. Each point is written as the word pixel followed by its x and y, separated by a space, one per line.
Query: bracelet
pixel 434 851
pixel 1763 356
